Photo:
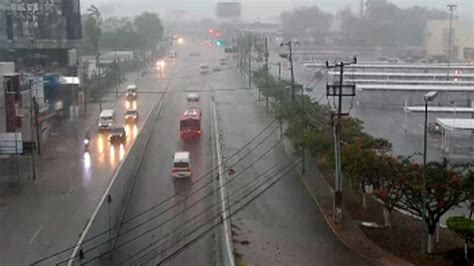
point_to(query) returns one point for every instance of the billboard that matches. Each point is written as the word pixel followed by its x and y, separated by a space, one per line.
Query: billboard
pixel 228 9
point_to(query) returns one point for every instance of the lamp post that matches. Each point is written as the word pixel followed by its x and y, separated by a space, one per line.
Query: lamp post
pixel 429 97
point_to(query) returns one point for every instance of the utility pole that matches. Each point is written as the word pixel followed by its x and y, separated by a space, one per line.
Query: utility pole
pixel 97 61
pixel 37 126
pixel 250 62
pixel 33 163
pixel 279 71
pixel 451 10
pixel 241 52
pixel 336 90
pixel 266 74
pixel 290 58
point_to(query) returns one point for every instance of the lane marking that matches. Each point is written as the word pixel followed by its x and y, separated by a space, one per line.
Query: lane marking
pixel 228 241
pixel 35 235
pixel 70 190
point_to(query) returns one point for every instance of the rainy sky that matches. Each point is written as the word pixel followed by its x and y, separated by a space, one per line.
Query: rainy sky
pixel 261 10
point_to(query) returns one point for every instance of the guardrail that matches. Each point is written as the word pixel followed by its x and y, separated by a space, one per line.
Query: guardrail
pixel 102 226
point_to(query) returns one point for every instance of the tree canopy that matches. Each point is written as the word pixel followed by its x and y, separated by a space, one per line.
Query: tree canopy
pixel 306 18
pixel 149 27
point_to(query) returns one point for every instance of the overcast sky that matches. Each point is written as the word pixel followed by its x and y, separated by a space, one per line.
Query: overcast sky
pixel 261 10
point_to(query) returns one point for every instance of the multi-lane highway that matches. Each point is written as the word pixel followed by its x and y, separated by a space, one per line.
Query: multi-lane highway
pixel 40 218
pixel 282 226
pixel 164 215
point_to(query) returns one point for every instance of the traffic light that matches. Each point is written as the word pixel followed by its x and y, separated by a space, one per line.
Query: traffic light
pixel 219 43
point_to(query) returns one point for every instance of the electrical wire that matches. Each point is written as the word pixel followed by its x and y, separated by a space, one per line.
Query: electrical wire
pixel 173 217
pixel 175 194
pixel 268 172
pixel 195 239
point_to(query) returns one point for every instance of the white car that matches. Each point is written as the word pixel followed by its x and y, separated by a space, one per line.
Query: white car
pixel 181 165
pixel 204 68
pixel 216 68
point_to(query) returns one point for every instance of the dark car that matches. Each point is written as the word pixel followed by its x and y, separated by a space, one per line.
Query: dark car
pixel 118 135
pixel 131 115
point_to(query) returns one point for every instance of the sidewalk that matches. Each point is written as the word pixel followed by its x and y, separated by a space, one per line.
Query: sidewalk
pixel 348 232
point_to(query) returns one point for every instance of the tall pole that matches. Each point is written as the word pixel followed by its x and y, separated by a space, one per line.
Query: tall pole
pixel 241 52
pixel 423 210
pixel 97 61
pixel 279 71
pixel 337 140
pixel 337 91
pixel 451 9
pixel 266 74
pixel 250 62
pixel 37 125
pixel 292 73
pixel 33 164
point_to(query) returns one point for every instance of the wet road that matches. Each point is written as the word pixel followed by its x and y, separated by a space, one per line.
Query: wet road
pixel 283 226
pixel 155 185
pixel 69 185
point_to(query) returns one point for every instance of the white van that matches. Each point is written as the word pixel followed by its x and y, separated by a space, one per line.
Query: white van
pixel 106 119
pixel 192 99
pixel 181 164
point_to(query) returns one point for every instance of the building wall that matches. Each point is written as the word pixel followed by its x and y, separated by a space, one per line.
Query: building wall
pixel 437 36
pixel 50 23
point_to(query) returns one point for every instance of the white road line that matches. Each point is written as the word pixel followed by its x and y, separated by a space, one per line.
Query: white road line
pixel 71 190
pixel 421 126
pixel 228 241
pixel 35 235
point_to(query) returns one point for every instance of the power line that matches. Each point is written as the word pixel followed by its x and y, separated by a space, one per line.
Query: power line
pixel 172 196
pixel 194 240
pixel 176 215
pixel 269 171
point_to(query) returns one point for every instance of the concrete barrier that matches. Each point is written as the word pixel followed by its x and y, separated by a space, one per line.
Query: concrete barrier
pixel 97 238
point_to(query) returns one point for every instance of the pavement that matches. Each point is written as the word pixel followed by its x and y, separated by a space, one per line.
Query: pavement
pixel 282 226
pixel 383 116
pixel 68 184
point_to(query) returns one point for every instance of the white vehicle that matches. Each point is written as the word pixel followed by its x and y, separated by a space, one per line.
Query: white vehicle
pixel 204 68
pixel 193 99
pixel 181 164
pixel 106 119
pixel 131 92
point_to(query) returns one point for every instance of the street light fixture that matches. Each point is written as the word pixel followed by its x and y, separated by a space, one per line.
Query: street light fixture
pixel 429 97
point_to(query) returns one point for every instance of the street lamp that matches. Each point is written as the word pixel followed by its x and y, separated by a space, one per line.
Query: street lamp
pixel 429 97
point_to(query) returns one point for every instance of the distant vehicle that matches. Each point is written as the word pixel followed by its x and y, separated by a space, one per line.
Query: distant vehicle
pixel 131 115
pixel 382 58
pixel 118 135
pixel 190 124
pixel 193 99
pixel 204 68
pixel 393 60
pixel 194 54
pixel 181 165
pixel 131 93
pixel 435 128
pixel 216 68
pixel 106 119
pixel 160 65
pixel 222 61
pixel 172 54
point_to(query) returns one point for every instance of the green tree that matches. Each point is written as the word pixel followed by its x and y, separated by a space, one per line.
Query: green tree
pixel 301 19
pixel 149 27
pixel 92 27
pixel 445 190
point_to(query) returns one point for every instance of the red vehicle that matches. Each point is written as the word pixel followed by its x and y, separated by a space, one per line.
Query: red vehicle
pixel 190 124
